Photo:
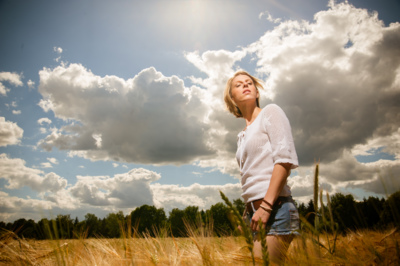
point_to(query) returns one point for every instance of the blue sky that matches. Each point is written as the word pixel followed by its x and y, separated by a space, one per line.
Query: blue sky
pixel 106 106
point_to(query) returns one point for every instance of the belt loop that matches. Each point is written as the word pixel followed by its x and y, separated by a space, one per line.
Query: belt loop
pixel 252 206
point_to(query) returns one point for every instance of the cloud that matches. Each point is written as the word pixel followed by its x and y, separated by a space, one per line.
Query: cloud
pixel 18 175
pixel 10 133
pixel 58 50
pixel 99 194
pixel 46 165
pixel 31 84
pixel 127 190
pixel 202 196
pixel 16 112
pixel 44 120
pixel 147 119
pixel 269 17
pixel 12 78
pixel 13 208
pixel 336 78
pixel 53 160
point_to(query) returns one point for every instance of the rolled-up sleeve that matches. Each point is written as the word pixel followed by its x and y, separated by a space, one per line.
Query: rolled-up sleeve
pixel 277 126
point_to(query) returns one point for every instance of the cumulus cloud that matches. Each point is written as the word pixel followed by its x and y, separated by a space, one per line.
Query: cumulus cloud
pixel 202 196
pixel 10 133
pixel 44 120
pixel 31 84
pixel 148 119
pixel 12 78
pixel 335 78
pixel 46 165
pixel 18 175
pixel 53 160
pixel 98 194
pixel 58 50
pixel 13 208
pixel 127 190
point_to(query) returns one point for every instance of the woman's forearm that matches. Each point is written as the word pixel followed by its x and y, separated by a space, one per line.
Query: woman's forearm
pixel 278 181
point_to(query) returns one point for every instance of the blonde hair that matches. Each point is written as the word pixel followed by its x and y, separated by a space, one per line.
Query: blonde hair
pixel 230 104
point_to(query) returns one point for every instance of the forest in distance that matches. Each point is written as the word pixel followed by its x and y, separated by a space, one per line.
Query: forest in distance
pixel 350 215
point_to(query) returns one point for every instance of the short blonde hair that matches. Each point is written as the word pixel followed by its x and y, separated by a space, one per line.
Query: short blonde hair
pixel 230 104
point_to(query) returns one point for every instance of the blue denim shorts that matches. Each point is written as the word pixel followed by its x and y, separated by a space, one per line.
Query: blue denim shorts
pixel 284 219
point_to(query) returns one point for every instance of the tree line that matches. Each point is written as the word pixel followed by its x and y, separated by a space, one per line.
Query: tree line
pixel 372 213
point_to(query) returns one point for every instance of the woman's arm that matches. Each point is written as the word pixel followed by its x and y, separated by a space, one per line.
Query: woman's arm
pixel 278 181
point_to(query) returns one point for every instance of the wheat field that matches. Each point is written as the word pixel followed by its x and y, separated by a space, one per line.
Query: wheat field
pixel 355 248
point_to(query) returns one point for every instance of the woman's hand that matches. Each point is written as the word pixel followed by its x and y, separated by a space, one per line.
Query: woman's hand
pixel 259 214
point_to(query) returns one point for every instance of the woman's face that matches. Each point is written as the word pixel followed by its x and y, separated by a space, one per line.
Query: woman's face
pixel 243 89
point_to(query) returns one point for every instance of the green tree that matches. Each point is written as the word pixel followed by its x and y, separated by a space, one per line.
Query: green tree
pixel 176 221
pixel 239 205
pixel 219 214
pixel 391 210
pixel 344 212
pixel 113 223
pixel 192 215
pixel 371 210
pixel 65 226
pixel 91 225
pixel 148 219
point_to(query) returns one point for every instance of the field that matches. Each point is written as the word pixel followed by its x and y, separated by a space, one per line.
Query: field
pixel 355 248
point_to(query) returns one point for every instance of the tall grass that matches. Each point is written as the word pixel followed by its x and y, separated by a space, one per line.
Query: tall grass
pixel 355 248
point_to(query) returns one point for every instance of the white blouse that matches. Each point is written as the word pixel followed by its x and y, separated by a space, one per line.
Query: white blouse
pixel 266 142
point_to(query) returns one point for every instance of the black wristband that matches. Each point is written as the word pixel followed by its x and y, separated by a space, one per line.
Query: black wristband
pixel 269 204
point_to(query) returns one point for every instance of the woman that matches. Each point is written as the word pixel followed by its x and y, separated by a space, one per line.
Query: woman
pixel 265 155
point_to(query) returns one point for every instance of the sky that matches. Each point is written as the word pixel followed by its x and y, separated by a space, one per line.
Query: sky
pixel 109 105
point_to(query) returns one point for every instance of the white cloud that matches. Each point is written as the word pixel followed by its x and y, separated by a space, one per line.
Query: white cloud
pixel 13 208
pixel 269 17
pixel 58 50
pixel 334 78
pixel 46 165
pixel 127 190
pixel 31 84
pixel 337 79
pixel 99 194
pixel 53 160
pixel 148 119
pixel 16 112
pixel 44 120
pixel 18 175
pixel 12 78
pixel 203 196
pixel 10 133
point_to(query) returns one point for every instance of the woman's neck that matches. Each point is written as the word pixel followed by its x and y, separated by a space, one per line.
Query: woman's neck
pixel 250 113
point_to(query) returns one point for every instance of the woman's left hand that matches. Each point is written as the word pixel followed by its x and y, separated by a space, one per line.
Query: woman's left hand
pixel 259 214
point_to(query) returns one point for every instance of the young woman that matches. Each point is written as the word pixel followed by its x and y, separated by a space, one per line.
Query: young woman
pixel 265 154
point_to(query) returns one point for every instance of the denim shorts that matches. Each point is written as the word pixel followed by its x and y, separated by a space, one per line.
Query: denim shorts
pixel 284 219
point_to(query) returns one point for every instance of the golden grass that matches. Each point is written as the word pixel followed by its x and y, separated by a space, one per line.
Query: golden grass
pixel 356 248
